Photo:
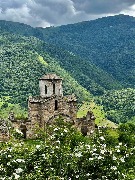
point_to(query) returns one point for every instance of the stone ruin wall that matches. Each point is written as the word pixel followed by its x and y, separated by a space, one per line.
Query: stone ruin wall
pixel 49 84
pixel 44 111
pixel 86 124
pixel 50 105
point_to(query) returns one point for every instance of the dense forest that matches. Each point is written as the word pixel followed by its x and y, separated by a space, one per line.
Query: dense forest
pixel 96 60
pixel 22 65
pixel 119 105
pixel 107 42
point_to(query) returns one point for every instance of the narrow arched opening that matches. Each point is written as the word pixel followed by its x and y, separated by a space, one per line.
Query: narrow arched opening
pixel 45 89
pixel 56 105
pixel 53 88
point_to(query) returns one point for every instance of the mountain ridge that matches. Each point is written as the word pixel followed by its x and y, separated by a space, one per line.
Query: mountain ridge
pixel 91 59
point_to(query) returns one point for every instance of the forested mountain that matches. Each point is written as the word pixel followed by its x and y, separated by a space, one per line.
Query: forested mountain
pixel 106 45
pixel 119 105
pixel 92 57
pixel 23 62
pixel 108 42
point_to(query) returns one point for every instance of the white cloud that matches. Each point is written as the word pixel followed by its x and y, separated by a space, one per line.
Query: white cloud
pixel 130 11
pixel 57 12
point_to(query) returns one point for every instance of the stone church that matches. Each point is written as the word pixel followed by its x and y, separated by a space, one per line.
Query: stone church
pixel 49 105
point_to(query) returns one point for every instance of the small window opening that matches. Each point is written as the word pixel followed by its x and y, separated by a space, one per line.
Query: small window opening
pixel 56 105
pixel 53 88
pixel 45 89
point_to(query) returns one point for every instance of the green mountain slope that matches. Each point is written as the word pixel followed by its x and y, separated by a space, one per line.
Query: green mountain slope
pixel 108 42
pixel 21 66
pixel 105 45
pixel 92 57
pixel 119 105
pixel 72 53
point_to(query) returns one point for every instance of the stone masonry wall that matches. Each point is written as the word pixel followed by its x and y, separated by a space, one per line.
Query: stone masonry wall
pixel 49 85
pixel 44 110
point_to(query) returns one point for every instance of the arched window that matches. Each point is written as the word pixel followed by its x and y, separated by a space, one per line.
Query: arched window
pixel 53 88
pixel 45 89
pixel 56 105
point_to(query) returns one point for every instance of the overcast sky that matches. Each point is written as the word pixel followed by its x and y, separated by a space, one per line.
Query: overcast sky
pixel 45 13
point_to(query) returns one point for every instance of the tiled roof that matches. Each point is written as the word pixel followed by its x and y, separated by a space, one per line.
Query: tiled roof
pixel 50 76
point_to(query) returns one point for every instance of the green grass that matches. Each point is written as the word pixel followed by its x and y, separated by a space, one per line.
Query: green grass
pixel 6 108
pixel 41 59
pixel 98 112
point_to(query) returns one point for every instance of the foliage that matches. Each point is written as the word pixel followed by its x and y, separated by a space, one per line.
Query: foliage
pixel 91 57
pixel 6 108
pixel 119 105
pixel 107 42
pixel 98 58
pixel 22 65
pixel 66 154
pixel 98 112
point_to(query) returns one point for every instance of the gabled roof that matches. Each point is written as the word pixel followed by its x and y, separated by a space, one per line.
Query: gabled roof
pixel 50 76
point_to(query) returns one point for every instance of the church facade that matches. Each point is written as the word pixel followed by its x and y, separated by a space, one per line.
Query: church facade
pixel 48 106
pixel 51 103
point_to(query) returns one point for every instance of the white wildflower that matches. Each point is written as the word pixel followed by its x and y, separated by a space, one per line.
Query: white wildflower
pixel 114 158
pixel 110 152
pixel 65 130
pixel 37 146
pixel 8 163
pixel 18 131
pixel 123 175
pixel 102 138
pixel 16 176
pixel 94 149
pixel 102 151
pixel 36 167
pixel 122 159
pixel 90 159
pixel 114 167
pixel 20 160
pixel 100 157
pixel 118 150
pixel 104 145
pixel 79 154
pixel 55 129
pixel 19 170
pixel 9 156
pixel 43 155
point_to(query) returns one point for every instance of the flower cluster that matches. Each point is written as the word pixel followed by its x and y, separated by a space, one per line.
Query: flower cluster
pixel 66 154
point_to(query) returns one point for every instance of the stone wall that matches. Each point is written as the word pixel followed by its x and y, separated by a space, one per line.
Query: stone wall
pixel 44 110
pixel 50 105
pixel 50 86
pixel 86 124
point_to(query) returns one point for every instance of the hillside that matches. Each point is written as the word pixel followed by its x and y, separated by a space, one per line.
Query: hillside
pixel 93 78
pixel 21 66
pixel 119 105
pixel 108 42
pixel 92 57
pixel 105 45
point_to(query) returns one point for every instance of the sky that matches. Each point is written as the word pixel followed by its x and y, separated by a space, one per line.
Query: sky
pixel 45 13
